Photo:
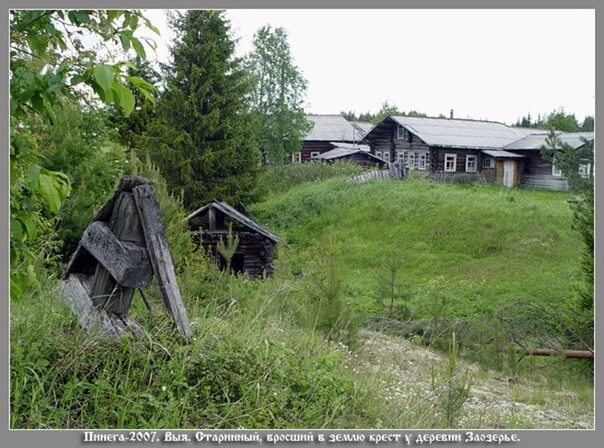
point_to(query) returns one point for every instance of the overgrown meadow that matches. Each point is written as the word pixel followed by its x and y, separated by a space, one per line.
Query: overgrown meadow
pixel 275 353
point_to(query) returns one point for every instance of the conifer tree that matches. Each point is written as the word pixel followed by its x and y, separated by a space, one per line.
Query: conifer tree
pixel 203 140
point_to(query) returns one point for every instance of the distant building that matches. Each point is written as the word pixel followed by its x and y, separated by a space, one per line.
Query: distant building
pixel 327 133
pixel 449 148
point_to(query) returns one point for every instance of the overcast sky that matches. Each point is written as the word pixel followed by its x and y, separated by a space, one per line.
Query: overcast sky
pixel 484 64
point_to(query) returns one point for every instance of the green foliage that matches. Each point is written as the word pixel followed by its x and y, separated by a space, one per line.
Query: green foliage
pixel 569 161
pixel 452 386
pixel 227 249
pixel 203 141
pixel 277 98
pixel 79 144
pixel 332 315
pixel 130 129
pixel 558 119
pixel 392 293
pixel 278 179
pixel 44 73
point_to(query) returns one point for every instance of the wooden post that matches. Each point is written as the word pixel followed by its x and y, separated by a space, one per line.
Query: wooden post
pixel 212 218
pixel 159 254
pixel 125 225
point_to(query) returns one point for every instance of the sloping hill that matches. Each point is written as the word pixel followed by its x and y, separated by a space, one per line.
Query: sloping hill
pixel 464 249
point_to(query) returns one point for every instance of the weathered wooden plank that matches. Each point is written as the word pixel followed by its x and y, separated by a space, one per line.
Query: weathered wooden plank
pixel 127 262
pixel 76 291
pixel 159 254
pixel 125 225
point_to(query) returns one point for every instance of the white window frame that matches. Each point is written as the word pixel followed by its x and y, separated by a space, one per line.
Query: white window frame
pixel 400 156
pixel 411 160
pixel 297 157
pixel 400 134
pixel 471 157
pixel 378 154
pixel 585 170
pixel 490 163
pixel 314 154
pixel 422 161
pixel 454 156
pixel 555 171
pixel 386 157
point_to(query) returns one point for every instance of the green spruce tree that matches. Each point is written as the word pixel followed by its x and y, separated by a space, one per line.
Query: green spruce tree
pixel 203 141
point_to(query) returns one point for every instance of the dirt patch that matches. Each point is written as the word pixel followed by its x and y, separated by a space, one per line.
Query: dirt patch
pixel 405 372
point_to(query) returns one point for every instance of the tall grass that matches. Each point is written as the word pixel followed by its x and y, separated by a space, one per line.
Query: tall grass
pixel 280 178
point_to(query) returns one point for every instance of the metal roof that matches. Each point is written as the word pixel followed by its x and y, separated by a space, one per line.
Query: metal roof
pixel 536 141
pixel 333 128
pixel 230 211
pixel 454 133
pixel 364 126
pixel 498 153
pixel 350 146
pixel 343 152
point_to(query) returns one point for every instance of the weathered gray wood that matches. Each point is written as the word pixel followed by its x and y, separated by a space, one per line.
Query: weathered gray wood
pixel 126 184
pixel 76 291
pixel 125 225
pixel 159 254
pixel 127 262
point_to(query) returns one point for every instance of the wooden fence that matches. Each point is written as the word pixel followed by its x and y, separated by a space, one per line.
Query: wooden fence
pixel 394 171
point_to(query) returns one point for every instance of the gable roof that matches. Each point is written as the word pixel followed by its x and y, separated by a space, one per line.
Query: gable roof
pixel 234 214
pixel 333 128
pixel 455 133
pixel 573 139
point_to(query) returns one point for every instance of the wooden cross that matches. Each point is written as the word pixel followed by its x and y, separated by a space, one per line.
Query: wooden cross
pixel 120 251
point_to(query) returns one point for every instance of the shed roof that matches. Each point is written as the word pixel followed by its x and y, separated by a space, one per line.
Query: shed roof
pixel 333 128
pixel 536 141
pixel 498 153
pixel 234 214
pixel 455 133
pixel 350 146
pixel 336 153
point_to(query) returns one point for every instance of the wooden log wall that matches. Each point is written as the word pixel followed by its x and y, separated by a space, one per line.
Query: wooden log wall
pixel 257 251
pixel 314 146
pixel 385 138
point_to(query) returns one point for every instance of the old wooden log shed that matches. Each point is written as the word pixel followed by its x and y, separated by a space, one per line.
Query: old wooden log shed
pixel 254 254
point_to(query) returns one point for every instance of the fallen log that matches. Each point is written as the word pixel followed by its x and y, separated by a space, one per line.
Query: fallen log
pixel 582 354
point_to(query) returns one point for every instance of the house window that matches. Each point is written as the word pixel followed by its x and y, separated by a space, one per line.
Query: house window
pixel 400 156
pixel 471 164
pixel 314 154
pixel 450 162
pixel 411 160
pixel 386 157
pixel 379 154
pixel 555 171
pixel 488 163
pixel 421 163
pixel 585 170
pixel 297 157
pixel 401 132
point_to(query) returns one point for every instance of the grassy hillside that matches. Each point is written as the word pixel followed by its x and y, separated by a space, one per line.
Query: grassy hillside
pixel 284 352
pixel 464 249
